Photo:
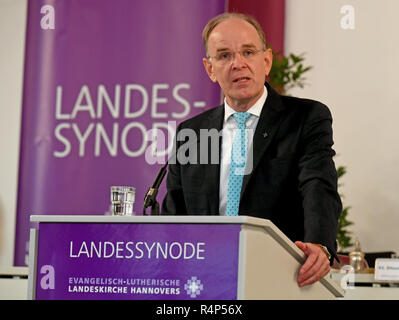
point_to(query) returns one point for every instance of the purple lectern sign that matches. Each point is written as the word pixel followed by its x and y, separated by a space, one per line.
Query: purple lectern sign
pixel 137 261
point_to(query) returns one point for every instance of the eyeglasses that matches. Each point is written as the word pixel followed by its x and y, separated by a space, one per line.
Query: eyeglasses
pixel 228 56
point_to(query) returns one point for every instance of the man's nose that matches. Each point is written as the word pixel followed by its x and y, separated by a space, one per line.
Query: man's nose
pixel 238 60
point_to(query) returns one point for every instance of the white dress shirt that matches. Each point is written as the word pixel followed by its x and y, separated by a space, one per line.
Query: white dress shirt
pixel 229 128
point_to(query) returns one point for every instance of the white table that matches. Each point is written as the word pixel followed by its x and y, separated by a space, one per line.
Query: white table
pixel 13 283
pixel 377 290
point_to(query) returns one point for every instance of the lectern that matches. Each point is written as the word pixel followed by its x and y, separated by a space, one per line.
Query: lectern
pixel 165 257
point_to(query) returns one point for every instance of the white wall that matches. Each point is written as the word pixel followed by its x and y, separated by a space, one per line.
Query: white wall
pixel 12 43
pixel 356 74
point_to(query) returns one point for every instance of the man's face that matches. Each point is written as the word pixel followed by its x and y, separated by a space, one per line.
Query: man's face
pixel 241 77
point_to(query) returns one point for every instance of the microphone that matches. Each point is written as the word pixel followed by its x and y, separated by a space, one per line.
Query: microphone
pixel 151 195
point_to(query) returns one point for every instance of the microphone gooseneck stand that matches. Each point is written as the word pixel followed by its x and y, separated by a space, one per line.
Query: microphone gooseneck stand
pixel 150 199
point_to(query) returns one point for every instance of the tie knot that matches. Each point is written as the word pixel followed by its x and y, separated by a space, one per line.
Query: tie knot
pixel 241 118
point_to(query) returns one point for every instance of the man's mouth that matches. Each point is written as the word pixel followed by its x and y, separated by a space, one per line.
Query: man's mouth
pixel 241 79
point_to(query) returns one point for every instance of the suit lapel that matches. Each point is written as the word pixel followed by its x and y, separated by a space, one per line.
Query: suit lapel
pixel 212 171
pixel 269 121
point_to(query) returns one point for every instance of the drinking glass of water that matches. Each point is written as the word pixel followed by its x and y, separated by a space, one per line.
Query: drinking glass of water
pixel 122 200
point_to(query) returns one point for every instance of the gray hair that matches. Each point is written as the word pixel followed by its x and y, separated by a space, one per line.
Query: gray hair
pixel 230 15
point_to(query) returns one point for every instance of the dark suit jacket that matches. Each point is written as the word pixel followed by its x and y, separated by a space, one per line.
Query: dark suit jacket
pixel 293 182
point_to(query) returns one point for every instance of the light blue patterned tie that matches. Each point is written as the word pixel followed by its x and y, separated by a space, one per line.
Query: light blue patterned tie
pixel 237 164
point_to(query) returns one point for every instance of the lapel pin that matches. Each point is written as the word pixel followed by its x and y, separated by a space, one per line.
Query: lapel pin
pixel 265 134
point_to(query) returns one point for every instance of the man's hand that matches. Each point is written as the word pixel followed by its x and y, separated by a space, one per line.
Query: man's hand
pixel 316 265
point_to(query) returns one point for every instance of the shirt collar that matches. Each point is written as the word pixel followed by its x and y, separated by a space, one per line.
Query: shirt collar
pixel 254 110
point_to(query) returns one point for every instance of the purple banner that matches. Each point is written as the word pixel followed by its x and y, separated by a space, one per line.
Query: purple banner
pixel 100 78
pixel 137 261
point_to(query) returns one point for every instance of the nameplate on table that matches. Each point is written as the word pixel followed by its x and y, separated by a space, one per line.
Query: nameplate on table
pixel 386 269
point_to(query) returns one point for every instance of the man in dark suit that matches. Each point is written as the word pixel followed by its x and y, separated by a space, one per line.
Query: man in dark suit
pixel 290 177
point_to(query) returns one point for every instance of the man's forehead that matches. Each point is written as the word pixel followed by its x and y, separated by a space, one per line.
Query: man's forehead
pixel 233 31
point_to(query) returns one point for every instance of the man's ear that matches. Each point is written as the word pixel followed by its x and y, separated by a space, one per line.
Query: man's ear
pixel 209 69
pixel 268 56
